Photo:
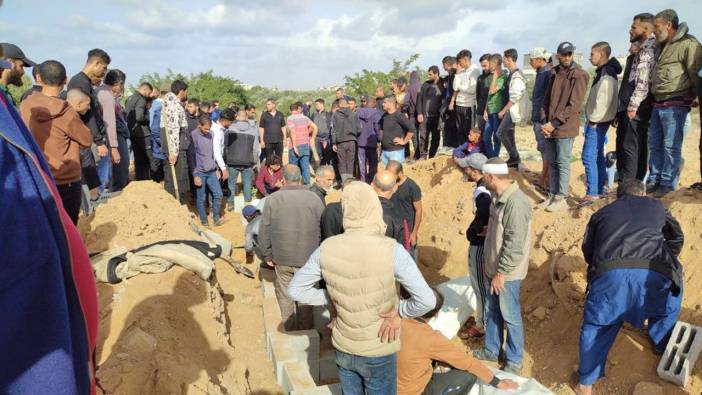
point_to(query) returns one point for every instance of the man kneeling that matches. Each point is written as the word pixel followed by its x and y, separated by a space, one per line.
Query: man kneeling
pixel 422 347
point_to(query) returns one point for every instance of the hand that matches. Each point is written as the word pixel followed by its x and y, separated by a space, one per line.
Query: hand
pixel 263 145
pixel 484 232
pixel 501 114
pixel 173 159
pixel 225 175
pixel 399 141
pixel 420 118
pixel 497 285
pixel 507 385
pixel 485 116
pixel 548 128
pixel 297 153
pixel 413 239
pixel 102 150
pixel 334 147
pixel 279 184
pixel 332 323
pixel 631 114
pixel 451 106
pixel 197 181
pixel 115 156
pixel 270 263
pixel 324 144
pixel 390 328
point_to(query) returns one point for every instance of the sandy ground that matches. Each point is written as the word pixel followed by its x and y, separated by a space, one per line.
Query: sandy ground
pixel 173 333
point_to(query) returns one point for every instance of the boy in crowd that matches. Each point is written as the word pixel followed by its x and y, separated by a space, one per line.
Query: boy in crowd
pixel 472 146
pixel 496 102
pixel 205 170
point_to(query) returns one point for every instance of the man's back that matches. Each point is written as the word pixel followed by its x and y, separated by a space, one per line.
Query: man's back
pixel 290 222
pixel 404 198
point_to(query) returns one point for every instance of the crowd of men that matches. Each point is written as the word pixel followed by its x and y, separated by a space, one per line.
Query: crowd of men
pixel 69 144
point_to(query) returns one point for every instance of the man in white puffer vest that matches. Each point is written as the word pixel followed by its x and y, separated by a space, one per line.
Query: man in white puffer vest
pixel 360 268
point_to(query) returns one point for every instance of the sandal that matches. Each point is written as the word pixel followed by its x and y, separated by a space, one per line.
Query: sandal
pixel 471 333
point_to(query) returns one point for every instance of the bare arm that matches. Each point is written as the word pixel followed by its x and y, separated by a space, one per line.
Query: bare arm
pixel 418 211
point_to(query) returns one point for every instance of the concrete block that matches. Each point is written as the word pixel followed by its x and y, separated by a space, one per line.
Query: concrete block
pixel 328 371
pixel 331 389
pixel 681 353
pixel 304 343
pixel 281 355
pixel 322 317
pixel 297 378
pixel 268 290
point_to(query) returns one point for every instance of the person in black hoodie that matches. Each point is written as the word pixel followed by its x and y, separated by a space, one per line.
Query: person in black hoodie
pixel 633 275
pixel 448 116
pixel 344 134
pixel 428 112
pixel 482 89
pixel 139 131
pixel 472 166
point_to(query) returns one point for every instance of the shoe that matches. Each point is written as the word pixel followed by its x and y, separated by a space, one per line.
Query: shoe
pixel 662 191
pixel 590 198
pixel 483 355
pixel 545 203
pixel 220 222
pixel 652 187
pixel 230 207
pixel 513 369
pixel 557 204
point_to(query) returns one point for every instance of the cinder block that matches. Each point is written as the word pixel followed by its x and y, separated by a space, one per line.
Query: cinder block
pixel 322 317
pixel 304 343
pixel 681 353
pixel 331 389
pixel 281 355
pixel 328 370
pixel 297 378
pixel 268 290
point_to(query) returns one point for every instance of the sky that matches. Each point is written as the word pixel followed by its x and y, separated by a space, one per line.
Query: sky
pixel 306 44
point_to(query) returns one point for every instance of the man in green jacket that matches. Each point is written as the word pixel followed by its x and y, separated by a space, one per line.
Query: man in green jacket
pixel 507 247
pixel 674 85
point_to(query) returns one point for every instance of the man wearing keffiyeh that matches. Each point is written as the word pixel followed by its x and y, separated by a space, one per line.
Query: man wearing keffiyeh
pixel 174 127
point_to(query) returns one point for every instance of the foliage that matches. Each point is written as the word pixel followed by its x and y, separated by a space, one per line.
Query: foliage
pixel 204 86
pixel 17 91
pixel 258 95
pixel 365 82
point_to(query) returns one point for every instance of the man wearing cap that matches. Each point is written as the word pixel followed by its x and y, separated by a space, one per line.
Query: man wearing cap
pixel 12 70
pixel 560 115
pixel 472 166
pixel 507 247
pixel 538 59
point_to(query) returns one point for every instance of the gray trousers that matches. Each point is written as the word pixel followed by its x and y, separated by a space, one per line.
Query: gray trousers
pixel 346 152
pixel 295 316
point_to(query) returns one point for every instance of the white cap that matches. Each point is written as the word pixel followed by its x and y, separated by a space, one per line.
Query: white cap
pixel 495 168
pixel 539 52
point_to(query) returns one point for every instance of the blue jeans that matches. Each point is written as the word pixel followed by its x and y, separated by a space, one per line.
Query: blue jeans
pixel 367 375
pixel 302 161
pixel 104 168
pixel 246 176
pixel 665 138
pixel 619 296
pixel 209 180
pixel 558 153
pixel 594 158
pixel 500 311
pixel 387 156
pixel 490 137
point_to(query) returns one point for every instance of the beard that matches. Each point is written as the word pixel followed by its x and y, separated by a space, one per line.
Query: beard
pixel 15 78
pixel 662 36
pixel 637 38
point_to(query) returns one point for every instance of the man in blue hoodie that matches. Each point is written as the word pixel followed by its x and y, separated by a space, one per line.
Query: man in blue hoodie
pixel 368 140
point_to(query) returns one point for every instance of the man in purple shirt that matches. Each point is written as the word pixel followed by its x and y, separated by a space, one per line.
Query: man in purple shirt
pixel 368 140
pixel 205 170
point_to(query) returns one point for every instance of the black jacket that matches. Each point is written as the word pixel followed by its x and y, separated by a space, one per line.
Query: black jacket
pixel 430 97
pixel 93 118
pixel 634 232
pixel 626 89
pixel 320 192
pixel 394 221
pixel 239 145
pixel 482 216
pixel 332 221
pixel 347 127
pixel 482 91
pixel 137 116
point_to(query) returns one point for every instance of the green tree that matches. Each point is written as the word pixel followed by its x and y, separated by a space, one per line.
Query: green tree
pixel 17 91
pixel 204 86
pixel 365 82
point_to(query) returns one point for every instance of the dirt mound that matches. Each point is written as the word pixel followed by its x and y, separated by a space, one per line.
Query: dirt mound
pixel 554 291
pixel 161 333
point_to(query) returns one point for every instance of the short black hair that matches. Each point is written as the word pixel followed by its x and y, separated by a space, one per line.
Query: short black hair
pixel 195 101
pixel 52 73
pixel 604 47
pixel 496 57
pixel 98 54
pixel 274 160
pixel 351 99
pixel 35 71
pixel 295 106
pixel 204 119
pixel 645 17
pixel 449 60
pixel 115 77
pixel 320 101
pixel 215 102
pixel 464 53
pixel 669 16
pixel 234 108
pixel 146 84
pixel 177 86
pixel 484 57
pixel 249 107
pixel 631 187
pixel 204 104
pixel 228 114
pixel 402 81
pixel 434 69
pixel 511 53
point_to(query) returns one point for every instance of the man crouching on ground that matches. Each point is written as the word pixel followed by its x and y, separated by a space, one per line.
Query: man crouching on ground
pixel 360 267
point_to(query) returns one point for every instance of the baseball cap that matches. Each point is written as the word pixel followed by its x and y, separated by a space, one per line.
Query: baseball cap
pixel 565 47
pixel 248 211
pixel 474 161
pixel 14 52
pixel 539 52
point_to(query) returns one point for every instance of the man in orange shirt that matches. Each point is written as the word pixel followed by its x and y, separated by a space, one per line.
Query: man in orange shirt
pixel 422 346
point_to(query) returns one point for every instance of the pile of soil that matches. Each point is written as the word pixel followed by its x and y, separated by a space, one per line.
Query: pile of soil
pixel 552 309
pixel 173 333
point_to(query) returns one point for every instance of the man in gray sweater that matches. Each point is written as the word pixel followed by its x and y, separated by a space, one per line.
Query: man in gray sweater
pixel 289 233
pixel 507 247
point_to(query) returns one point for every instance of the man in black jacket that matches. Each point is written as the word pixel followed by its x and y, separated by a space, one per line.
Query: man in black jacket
pixel 384 183
pixel 139 131
pixel 344 133
pixel 483 89
pixel 428 111
pixel 633 275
